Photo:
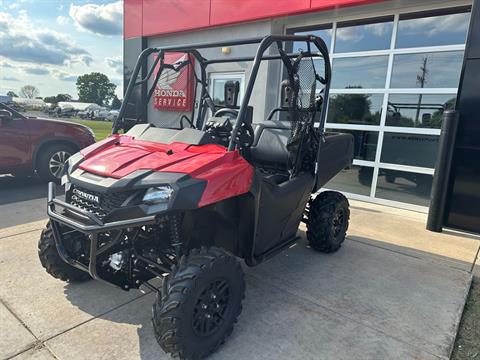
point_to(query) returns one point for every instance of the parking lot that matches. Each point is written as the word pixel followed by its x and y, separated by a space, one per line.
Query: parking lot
pixel 393 291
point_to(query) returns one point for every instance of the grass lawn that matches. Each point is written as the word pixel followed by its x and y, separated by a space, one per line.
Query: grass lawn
pixel 101 128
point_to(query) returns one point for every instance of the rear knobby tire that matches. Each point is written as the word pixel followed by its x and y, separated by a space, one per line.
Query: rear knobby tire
pixel 327 221
pixel 53 263
pixel 206 287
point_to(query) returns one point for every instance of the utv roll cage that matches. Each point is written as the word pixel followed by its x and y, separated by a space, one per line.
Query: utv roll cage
pixel 94 226
pixel 265 43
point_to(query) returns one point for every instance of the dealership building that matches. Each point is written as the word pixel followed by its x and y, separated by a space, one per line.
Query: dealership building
pixel 397 66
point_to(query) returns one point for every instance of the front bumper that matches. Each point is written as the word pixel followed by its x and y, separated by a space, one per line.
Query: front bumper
pixel 90 225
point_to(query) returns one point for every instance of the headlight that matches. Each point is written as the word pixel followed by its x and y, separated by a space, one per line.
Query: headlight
pixel 158 195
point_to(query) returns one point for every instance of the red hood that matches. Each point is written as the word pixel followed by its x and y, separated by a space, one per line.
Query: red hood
pixel 120 155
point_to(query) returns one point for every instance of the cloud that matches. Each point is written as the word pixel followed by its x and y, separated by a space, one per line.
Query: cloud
pixel 86 59
pixel 9 78
pixel 355 34
pixel 115 63
pixel 5 64
pixel 63 20
pixel 21 41
pixel 64 76
pixel 379 29
pixel 99 19
pixel 432 26
pixel 349 34
pixel 116 81
pixel 36 70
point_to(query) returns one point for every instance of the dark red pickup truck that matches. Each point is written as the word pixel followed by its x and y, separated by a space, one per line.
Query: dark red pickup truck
pixel 31 144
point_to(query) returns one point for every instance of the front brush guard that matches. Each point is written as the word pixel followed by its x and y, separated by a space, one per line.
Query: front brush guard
pixel 92 227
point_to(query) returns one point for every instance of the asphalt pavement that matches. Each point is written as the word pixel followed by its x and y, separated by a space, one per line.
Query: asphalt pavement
pixel 22 200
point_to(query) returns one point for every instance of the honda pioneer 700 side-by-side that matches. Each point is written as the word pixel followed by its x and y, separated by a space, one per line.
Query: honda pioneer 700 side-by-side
pixel 184 202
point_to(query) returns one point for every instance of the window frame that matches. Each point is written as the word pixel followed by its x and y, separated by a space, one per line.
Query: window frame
pixel 227 75
pixel 332 20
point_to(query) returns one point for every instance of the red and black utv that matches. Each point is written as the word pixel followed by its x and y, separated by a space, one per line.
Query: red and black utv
pixel 185 202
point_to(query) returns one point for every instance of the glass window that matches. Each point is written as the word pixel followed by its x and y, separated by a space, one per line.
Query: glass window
pixel 422 111
pixel 432 30
pixel 363 109
pixel 218 87
pixel 364 37
pixel 409 149
pixel 427 70
pixel 365 143
pixel 404 186
pixel 356 180
pixel 359 72
pixel 325 34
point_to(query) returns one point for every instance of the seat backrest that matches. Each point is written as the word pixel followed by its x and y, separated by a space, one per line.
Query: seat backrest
pixel 270 144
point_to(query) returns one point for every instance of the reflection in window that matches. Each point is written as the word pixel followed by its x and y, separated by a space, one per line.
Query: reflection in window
pixel 356 180
pixel 363 37
pixel 427 70
pixel 325 34
pixel 433 30
pixel 218 94
pixel 404 186
pixel 423 111
pixel 365 143
pixel 409 149
pixel 359 72
pixel 363 109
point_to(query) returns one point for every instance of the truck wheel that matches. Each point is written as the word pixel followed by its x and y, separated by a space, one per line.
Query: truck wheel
pixel 53 263
pixel 327 221
pixel 202 299
pixel 51 162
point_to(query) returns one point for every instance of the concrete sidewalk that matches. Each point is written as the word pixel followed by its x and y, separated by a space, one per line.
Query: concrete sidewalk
pixel 393 291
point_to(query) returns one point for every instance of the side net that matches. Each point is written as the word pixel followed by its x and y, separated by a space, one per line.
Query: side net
pixel 302 77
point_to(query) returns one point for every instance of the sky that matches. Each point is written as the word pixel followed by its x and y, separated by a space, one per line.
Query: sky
pixel 49 43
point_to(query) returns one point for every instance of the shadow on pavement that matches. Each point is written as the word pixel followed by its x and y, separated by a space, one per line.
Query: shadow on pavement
pixel 22 200
pixel 302 302
pixel 136 312
pixel 15 189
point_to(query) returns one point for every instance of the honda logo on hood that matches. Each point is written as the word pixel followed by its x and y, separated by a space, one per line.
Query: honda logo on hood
pixel 86 196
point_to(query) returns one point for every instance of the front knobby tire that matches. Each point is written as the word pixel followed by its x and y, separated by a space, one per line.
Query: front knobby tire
pixel 201 302
pixel 327 221
pixel 53 263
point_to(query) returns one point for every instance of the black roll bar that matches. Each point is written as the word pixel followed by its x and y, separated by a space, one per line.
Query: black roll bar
pixel 264 44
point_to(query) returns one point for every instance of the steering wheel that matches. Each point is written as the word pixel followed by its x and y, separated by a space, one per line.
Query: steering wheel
pixel 246 134
pixel 226 111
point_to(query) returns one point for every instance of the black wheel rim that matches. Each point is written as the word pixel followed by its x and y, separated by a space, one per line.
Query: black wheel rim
pixel 338 221
pixel 211 308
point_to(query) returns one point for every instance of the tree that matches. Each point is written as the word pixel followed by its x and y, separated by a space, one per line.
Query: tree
pixel 56 99
pixel 29 91
pixel 116 103
pixel 95 88
pixel 352 108
pixel 12 94
pixel 63 97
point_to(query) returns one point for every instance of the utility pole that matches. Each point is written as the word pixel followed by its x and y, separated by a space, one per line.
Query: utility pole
pixel 421 79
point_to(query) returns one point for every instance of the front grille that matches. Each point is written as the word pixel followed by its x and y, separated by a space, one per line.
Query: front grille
pixel 107 202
